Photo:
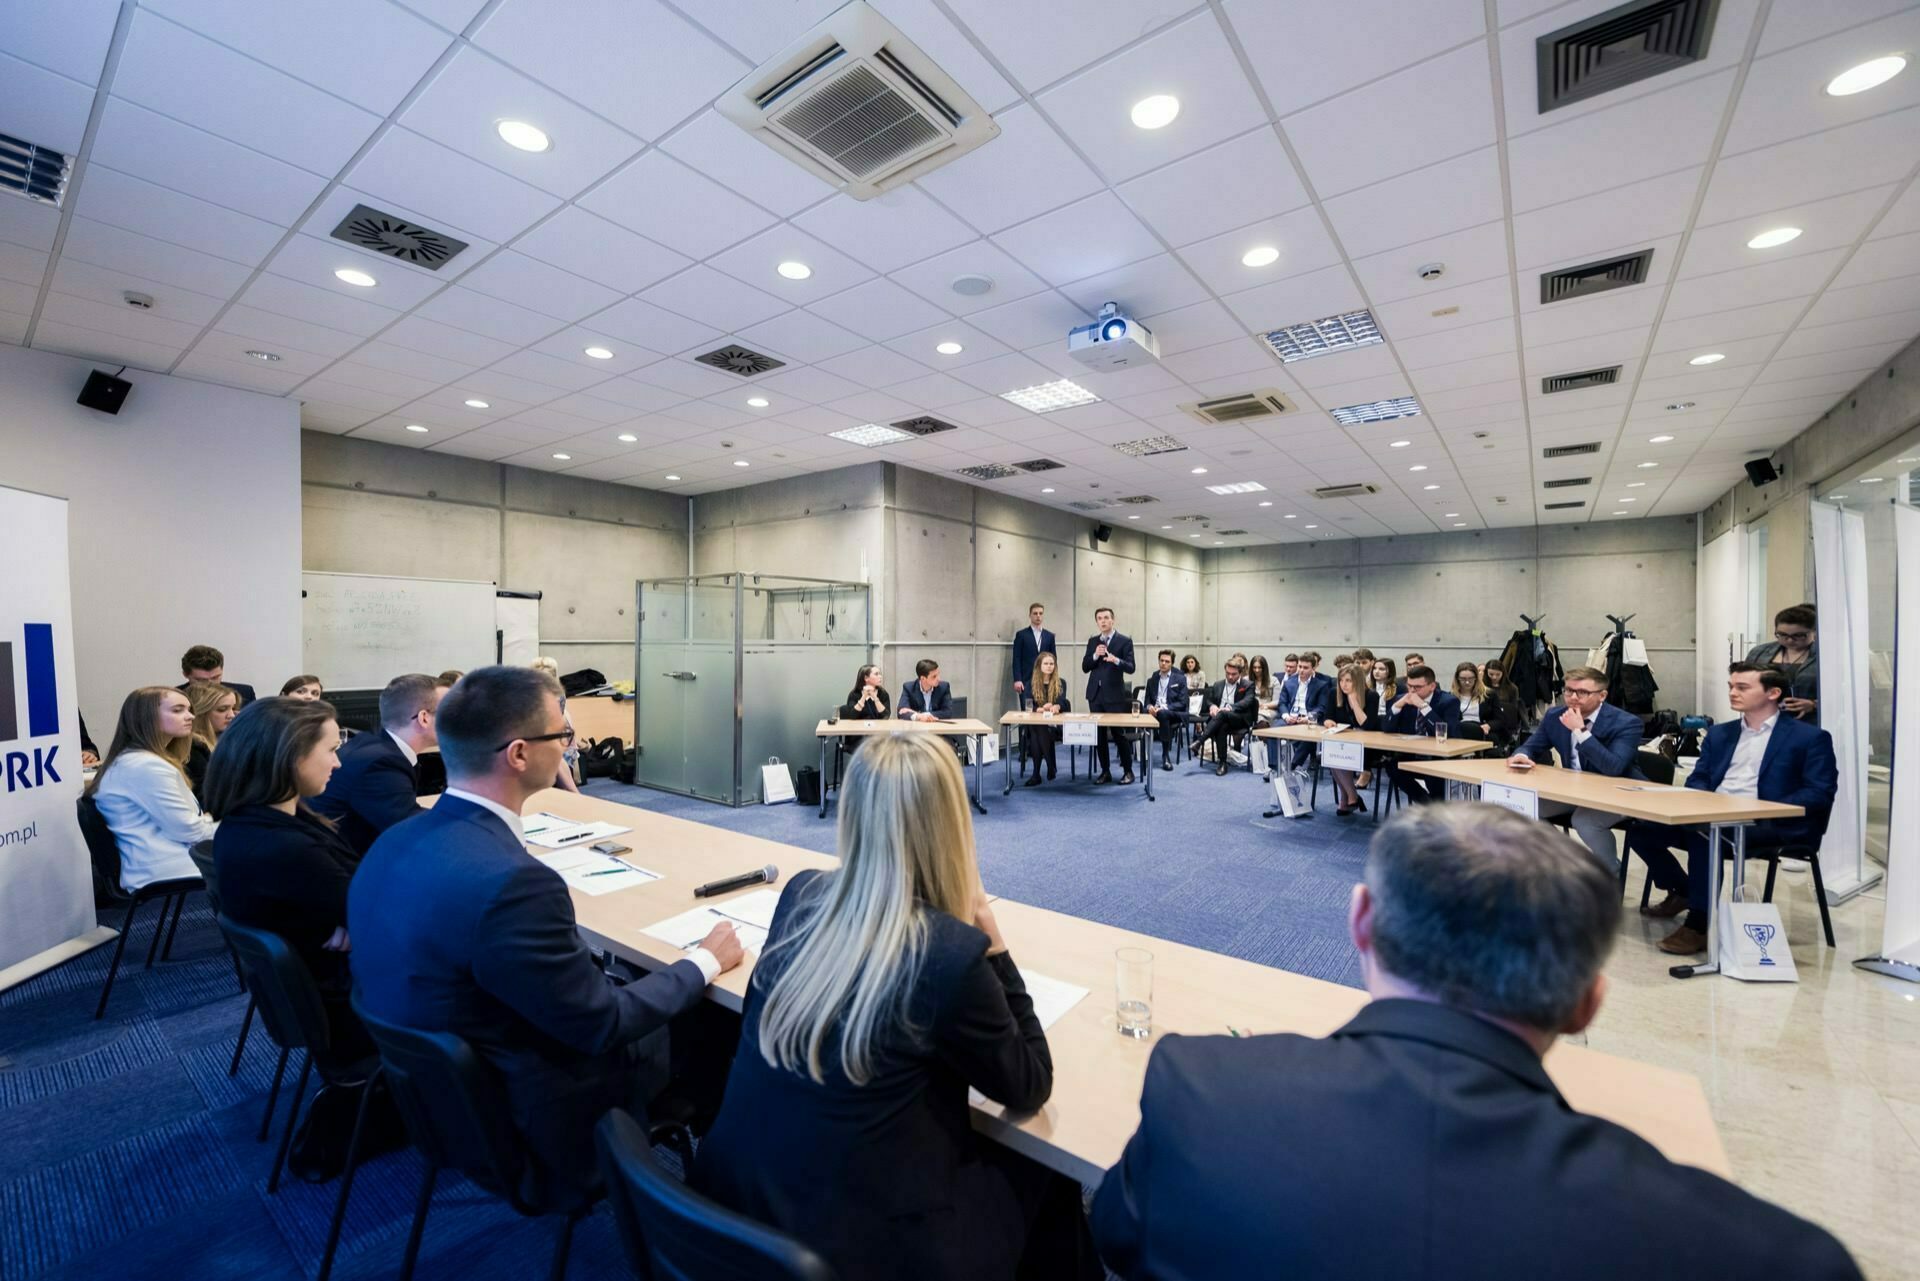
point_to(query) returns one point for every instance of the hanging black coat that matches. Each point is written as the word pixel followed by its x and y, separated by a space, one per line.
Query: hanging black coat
pixel 1533 668
pixel 1630 686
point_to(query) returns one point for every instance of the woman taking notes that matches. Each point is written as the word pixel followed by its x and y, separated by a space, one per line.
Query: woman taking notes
pixel 1049 694
pixel 884 993
pixel 1356 706
pixel 142 788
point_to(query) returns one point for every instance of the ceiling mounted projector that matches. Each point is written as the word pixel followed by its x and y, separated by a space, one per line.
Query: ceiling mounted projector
pixel 1114 341
pixel 856 104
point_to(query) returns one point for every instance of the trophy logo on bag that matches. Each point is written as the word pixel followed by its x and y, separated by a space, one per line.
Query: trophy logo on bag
pixel 1761 933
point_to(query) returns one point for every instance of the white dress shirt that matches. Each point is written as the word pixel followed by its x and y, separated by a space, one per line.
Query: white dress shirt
pixel 1743 774
pixel 709 963
pixel 413 757
pixel 150 808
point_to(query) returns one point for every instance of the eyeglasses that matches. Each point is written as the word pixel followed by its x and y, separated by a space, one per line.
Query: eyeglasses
pixel 563 737
pixel 1792 638
pixel 1585 693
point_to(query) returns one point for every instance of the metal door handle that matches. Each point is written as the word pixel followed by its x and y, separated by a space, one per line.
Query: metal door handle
pixel 681 676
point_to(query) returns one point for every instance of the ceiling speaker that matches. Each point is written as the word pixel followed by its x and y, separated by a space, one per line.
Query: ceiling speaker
pixel 1761 471
pixel 105 392
pixel 1101 533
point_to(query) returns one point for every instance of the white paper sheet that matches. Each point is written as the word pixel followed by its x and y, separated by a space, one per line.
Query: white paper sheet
pixel 1052 997
pixel 551 832
pixel 596 874
pixel 751 914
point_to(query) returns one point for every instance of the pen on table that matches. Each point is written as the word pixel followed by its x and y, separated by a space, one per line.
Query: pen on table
pixel 577 836
pixel 611 871
pixel 1232 1030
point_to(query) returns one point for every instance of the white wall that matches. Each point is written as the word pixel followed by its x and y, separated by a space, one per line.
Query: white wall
pixel 184 522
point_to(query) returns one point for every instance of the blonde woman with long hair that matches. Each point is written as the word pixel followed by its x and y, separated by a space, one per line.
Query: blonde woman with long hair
pixel 214 706
pixel 1049 694
pixel 567 780
pixel 142 789
pixel 884 993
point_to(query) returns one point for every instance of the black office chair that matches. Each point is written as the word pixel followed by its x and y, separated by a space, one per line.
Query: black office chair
pixel 172 893
pixel 202 854
pixel 1808 852
pixel 672 1233
pixel 457 1114
pixel 293 1015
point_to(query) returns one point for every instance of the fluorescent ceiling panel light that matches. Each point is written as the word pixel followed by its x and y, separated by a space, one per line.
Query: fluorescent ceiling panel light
pixel 870 434
pixel 1156 112
pixel 627 438
pixel 477 403
pixel 1150 446
pixel 1324 336
pixel 416 427
pixel 1044 398
pixel 1378 411
pixel 1244 487
pixel 1711 358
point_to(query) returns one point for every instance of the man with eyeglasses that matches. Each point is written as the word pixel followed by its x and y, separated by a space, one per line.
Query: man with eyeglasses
pixel 456 928
pixel 1590 736
pixel 1795 650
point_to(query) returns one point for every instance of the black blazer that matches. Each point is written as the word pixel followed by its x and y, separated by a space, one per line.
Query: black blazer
pixel 373 789
pixel 940 703
pixel 456 928
pixel 1108 689
pixel 1025 655
pixel 198 754
pixel 1341 712
pixel 287 873
pixel 1240 704
pixel 1465 1163
pixel 886 1179
pixel 871 711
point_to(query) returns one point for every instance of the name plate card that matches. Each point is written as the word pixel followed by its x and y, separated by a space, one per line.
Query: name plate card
pixel 1077 733
pixel 1521 800
pixel 1338 754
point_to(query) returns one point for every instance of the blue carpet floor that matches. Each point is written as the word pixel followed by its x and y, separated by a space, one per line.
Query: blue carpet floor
pixel 127 1151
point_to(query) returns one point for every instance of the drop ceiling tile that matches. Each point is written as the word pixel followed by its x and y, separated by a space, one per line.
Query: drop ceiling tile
pixel 533 284
pixel 641 397
pixel 873 366
pixel 452 15
pixel 322 415
pixel 1339 367
pixel 927 25
pixel 1762 283
pixel 1030 321
pixel 1869 153
pixel 43 108
pixel 691 379
pixel 1303 54
pixel 269 331
pixel 1450 195
pixel 801 336
pixel 1588 226
pixel 316 306
pixel 1860 302
pixel 490 317
pixel 1160 283
pixel 183 75
pixel 1902 218
pixel 438 370
pixel 135 205
pixel 889 231
pixel 706 413
pixel 1327 292
pixel 352 395
pixel 1784 95
pixel 1857 361
pixel 74 47
pixel 408 386
pixel 756 263
pixel 1591 351
pixel 1807 340
pixel 1488 338
pixel 922 347
pixel 588 245
pixel 446 341
pixel 108 348
pixel 1006 373
pixel 1608 147
pixel 1041 43
pixel 1300 236
pixel 933 278
pixel 1877 260
pixel 1475 254
pixel 711 298
pixel 575 373
pixel 975 186
pixel 138 142
pixel 730 155
pixel 641 322
pixel 1582 317
pixel 1828 224
pixel 313 261
pixel 448 188
pixel 1241 356
pixel 84 280
pixel 809 385
pixel 1084 239
pixel 251 375
pixel 878 310
pixel 1189 60
pixel 635 62
pixel 666 201
pixel 1703 332
pixel 1441 108
pixel 1203 324
pixel 149 327
pixel 473 92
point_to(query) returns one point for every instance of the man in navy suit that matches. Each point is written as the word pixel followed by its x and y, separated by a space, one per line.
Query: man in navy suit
pixel 1306 698
pixel 926 697
pixel 456 928
pixel 205 663
pixel 1108 663
pixel 1481 937
pixel 1167 703
pixel 1028 644
pixel 377 783
pixel 1590 736
pixel 1763 755
pixel 1423 706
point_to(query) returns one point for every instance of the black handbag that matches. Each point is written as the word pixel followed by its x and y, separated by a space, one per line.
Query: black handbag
pixel 603 758
pixel 806 785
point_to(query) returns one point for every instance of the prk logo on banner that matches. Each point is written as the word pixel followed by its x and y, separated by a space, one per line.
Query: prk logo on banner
pixel 23 765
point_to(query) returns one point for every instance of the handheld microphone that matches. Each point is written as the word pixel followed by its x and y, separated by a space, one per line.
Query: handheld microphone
pixel 763 876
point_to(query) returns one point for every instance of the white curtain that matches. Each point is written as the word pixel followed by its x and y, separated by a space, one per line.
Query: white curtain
pixel 1840 585
pixel 1721 604
pixel 1901 942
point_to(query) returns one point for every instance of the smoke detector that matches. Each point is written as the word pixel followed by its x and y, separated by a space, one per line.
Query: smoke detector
pixel 1433 271
pixel 138 301
pixel 972 285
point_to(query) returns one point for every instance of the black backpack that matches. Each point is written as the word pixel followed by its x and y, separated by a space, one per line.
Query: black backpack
pixel 574 684
pixel 602 758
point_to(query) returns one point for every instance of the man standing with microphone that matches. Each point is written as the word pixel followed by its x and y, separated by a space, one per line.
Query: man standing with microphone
pixel 1108 662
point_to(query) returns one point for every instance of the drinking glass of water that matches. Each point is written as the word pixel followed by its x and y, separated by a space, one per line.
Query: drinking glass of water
pixel 1439 730
pixel 1133 991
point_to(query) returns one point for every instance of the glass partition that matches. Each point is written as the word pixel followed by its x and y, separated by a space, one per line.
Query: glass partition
pixel 733 669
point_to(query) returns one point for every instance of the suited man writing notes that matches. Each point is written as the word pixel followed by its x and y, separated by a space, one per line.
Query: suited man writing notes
pixel 1167 701
pixel 1108 663
pixel 1028 644
pixel 456 928
pixel 1481 937
pixel 1421 707
pixel 1767 755
pixel 1591 736
pixel 376 784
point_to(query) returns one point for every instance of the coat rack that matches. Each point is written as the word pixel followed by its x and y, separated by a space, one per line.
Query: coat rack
pixel 1533 624
pixel 1620 624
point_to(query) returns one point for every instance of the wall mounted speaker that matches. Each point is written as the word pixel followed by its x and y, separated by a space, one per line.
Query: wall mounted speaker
pixel 105 392
pixel 1102 533
pixel 1761 471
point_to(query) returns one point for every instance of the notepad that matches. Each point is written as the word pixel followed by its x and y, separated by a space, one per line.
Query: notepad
pixel 1052 997
pixel 551 832
pixel 751 914
pixel 596 874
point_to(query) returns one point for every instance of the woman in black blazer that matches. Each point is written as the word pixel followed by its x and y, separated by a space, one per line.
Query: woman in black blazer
pixel 1049 694
pixel 866 701
pixel 1356 706
pixel 280 866
pixel 883 994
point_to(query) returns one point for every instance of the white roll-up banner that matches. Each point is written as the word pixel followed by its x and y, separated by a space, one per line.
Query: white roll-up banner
pixel 46 883
pixel 1900 942
pixel 1840 591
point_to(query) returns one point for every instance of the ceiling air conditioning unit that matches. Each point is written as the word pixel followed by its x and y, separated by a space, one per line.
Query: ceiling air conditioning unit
pixel 1264 403
pixel 856 103
pixel 1345 491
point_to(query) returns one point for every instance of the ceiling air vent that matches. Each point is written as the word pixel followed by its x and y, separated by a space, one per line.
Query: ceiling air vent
pixel 989 471
pixel 1570 451
pixel 1585 378
pixel 1595 277
pixel 1040 464
pixel 1229 533
pixel 736 359
pixel 398 237
pixel 1264 403
pixel 1136 500
pixel 1346 491
pixel 1150 446
pixel 36 172
pixel 1560 507
pixel 1192 520
pixel 1086 505
pixel 1633 42
pixel 1572 482
pixel 923 426
pixel 856 103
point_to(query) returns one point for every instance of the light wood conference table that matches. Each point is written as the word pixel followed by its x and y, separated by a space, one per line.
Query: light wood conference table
pixel 1377 741
pixel 1098 1073
pixel 1725 817
pixel 1138 730
pixel 963 727
pixel 602 716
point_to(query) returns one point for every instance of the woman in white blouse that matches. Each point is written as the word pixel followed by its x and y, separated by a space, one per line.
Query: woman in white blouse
pixel 142 789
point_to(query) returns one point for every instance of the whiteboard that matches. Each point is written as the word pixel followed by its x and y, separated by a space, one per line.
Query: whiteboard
pixel 359 631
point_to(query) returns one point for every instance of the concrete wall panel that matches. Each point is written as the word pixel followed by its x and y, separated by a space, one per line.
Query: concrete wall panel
pixel 347 463
pixel 1666 533
pixel 793 498
pixel 999 511
pixel 1426 549
pixel 920 491
pixel 1173 605
pixel 1114 582
pixel 932 579
pixel 345 531
pixel 1011 572
pixel 1469 603
pixel 555 495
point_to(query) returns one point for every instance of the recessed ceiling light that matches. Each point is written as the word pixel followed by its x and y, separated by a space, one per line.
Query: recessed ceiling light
pixel 741 462
pixel 599 353
pixel 1199 471
pixel 1644 466
pixel 1166 526
pixel 1044 398
pixel 1711 358
pixel 1619 513
pixel 521 135
pixel 1451 515
pixel 1871 480
pixel 1875 71
pixel 416 427
pixel 1907 460
pixel 627 438
pixel 758 402
pixel 355 277
pixel 1775 238
pixel 794 270
pixel 868 434
pixel 1459 524
pixel 1193 535
pixel 1218 543
pixel 565 458
pixel 1418 467
pixel 1266 502
pixel 1290 516
pixel 1429 486
pixel 1156 112
pixel 949 348
pixel 477 403
pixel 671 476
pixel 1312 527
pixel 1260 256
pixel 1628 500
pixel 1133 518
pixel 1047 490
pixel 1398 444
pixel 1636 484
pixel 1658 440
pixel 268 356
